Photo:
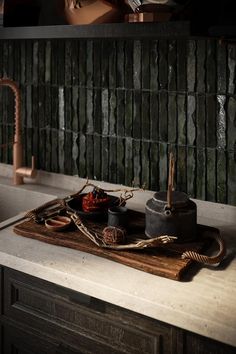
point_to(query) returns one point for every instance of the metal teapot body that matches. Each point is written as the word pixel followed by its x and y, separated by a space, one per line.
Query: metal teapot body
pixel 180 220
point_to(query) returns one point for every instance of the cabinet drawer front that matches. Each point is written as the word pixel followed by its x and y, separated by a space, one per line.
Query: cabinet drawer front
pixel 60 311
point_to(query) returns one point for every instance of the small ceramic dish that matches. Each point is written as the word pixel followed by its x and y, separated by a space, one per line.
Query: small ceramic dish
pixel 58 223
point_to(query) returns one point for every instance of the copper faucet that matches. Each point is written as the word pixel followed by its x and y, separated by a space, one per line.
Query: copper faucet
pixel 19 172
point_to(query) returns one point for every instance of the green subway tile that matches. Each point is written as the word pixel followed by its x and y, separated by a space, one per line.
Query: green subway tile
pixel 191 172
pixel 48 148
pixel 75 154
pixel 89 64
pixel 172 65
pixel 145 116
pixel 120 160
pixel 181 169
pixel 47 105
pixel 60 65
pixel 35 99
pixel 105 159
pixel 163 163
pixel 90 156
pixel 154 57
pixel 120 64
pixel 68 108
pixel 54 62
pixel 211 121
pixel 29 108
pixel 97 157
pixel 182 119
pixel 221 68
pixel 89 111
pixel 75 64
pixel 120 113
pixel 35 62
pixel 61 150
pixel 137 69
pixel 145 163
pixel 10 61
pixel 80 62
pixel 128 161
pixel 55 107
pixel 163 117
pixel 154 169
pixel 201 66
pixel 163 64
pixel 29 62
pixel 201 174
pixel 181 65
pixel 68 62
pixel 17 61
pixel 97 63
pixel 231 173
pixel 82 170
pixel 145 64
pixel 231 68
pixel 128 64
pixel 41 107
pixel 41 155
pixel 68 153
pixel 128 113
pixel 105 112
pixel 29 145
pixel 48 63
pixel 201 121
pixel 231 131
pixel 41 62
pixel 191 65
pixel 82 110
pixel 97 111
pixel 112 167
pixel 137 162
pixel 221 177
pixel 112 113
pixel 211 73
pixel 137 123
pixel 191 120
pixel 112 64
pixel 221 122
pixel 172 119
pixel 211 175
pixel 154 116
pixel 103 71
pixel 75 109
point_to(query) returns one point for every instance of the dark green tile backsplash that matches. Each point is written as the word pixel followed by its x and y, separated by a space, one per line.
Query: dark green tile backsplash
pixel 114 110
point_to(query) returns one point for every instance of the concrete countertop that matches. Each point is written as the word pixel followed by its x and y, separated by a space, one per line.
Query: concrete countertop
pixel 204 305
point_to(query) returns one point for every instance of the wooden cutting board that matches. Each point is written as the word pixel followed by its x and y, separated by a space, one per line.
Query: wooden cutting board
pixel 165 261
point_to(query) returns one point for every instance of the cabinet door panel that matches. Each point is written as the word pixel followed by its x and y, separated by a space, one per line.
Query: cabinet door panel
pixel 85 322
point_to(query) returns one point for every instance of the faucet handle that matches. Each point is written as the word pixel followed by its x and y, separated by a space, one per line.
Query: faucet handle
pixel 29 172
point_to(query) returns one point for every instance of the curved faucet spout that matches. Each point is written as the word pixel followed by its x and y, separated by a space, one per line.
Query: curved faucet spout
pixel 17 146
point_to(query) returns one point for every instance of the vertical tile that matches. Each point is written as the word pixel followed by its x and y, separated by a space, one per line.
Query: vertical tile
pixel 83 64
pixel 112 160
pixel 182 119
pixel 172 119
pixel 191 120
pixel 68 62
pixel 35 98
pixel 128 64
pixel 35 62
pixel 211 121
pixel 105 159
pixel 191 65
pixel 97 64
pixel 221 68
pixel 97 157
pixel 68 152
pixel 68 108
pixel 55 167
pixel 97 111
pixel 29 62
pixel 191 171
pixel 105 112
pixel 200 174
pixel 55 107
pixel 181 65
pixel 211 74
pixel 172 65
pixel 231 119
pixel 154 65
pixel 145 162
pixel 120 76
pixel 89 111
pixel 16 61
pixel 112 113
pixel 145 65
pixel 221 122
pixel 90 156
pixel 82 168
pixel 89 64
pixel 211 175
pixel 163 64
pixel 221 190
pixel 201 66
pixel 48 63
pixel 82 110
pixel 137 69
pixel 128 161
pixel 145 115
pixel 75 154
pixel 103 67
pixel 154 117
pixel 163 117
pixel 231 173
pixel 231 68
pixel 201 121
pixel 137 162
pixel 75 109
pixel 128 113
pixel 41 62
pixel 163 163
pixel 60 64
pixel 112 65
pixel 181 173
pixel 22 62
pixel 120 160
pixel 137 123
pixel 75 63
pixel 154 170
pixel 41 155
pixel 120 113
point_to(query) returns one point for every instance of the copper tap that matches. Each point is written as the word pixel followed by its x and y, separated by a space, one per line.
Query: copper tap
pixel 19 172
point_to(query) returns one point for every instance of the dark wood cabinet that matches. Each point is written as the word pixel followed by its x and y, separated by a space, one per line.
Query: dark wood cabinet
pixel 42 318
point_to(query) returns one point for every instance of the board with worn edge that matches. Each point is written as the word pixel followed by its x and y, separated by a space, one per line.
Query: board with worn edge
pixel 163 261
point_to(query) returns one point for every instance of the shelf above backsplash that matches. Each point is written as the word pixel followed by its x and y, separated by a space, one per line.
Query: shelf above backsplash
pixel 107 30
